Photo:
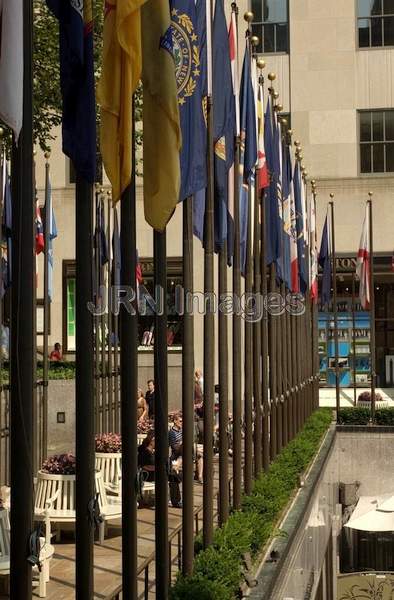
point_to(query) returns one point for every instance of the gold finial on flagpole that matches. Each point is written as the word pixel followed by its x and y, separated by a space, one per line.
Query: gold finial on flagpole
pixel 370 194
pixel 276 95
pixel 249 16
pixel 260 63
pixel 278 107
pixel 1 132
pixel 47 156
pixel 331 195
pixel 283 121
pixel 313 182
pixel 97 185
pixel 297 143
pixel 272 76
pixel 255 41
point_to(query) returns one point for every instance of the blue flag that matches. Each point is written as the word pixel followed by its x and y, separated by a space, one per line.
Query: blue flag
pixel 248 154
pixel 100 249
pixel 286 195
pixel 300 224
pixel 272 212
pixel 77 83
pixel 184 45
pixel 224 127
pixel 325 263
pixel 199 196
pixel 52 236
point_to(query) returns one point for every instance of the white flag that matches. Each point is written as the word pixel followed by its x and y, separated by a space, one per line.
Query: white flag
pixel 11 64
pixel 363 262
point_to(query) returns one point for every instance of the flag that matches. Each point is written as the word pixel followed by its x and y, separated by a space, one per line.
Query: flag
pixel 121 71
pixel 199 196
pixel 270 203
pixel 363 268
pixel 116 254
pixel 224 128
pixel 295 284
pixel 233 46
pixel 182 42
pixel 248 154
pixel 52 236
pixel 6 258
pixel 40 243
pixel 299 199
pixel 77 83
pixel 11 64
pixel 262 167
pixel 100 249
pixel 162 132
pixel 313 251
pixel 286 207
pixel 278 186
pixel 325 263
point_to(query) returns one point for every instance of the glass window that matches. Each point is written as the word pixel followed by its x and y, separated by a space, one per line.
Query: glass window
pixel 376 126
pixel 271 25
pixel 70 325
pixel 375 23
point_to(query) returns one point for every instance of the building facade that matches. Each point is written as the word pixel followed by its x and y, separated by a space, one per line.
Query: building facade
pixel 334 65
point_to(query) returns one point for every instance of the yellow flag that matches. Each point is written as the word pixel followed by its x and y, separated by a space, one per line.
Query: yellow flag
pixel 121 72
pixel 162 132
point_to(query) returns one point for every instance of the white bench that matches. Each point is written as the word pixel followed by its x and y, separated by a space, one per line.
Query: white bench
pixel 110 465
pixel 46 552
pixel 55 498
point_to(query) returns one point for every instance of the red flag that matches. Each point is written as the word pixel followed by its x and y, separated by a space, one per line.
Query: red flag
pixel 364 263
pixel 262 167
pixel 313 260
pixel 40 244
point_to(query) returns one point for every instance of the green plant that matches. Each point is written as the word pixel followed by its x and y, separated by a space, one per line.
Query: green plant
pixel 384 416
pixel 218 568
pixel 354 416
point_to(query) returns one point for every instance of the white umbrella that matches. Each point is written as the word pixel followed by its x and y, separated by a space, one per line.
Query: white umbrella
pixel 370 516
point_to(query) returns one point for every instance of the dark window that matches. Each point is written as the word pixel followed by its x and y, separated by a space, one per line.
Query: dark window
pixel 376 141
pixel 271 25
pixel 375 20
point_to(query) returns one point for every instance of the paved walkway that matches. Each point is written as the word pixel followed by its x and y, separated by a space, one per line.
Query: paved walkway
pixel 328 398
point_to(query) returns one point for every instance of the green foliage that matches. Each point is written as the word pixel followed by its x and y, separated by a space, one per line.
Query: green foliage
pixel 57 370
pixel 361 416
pixel 218 569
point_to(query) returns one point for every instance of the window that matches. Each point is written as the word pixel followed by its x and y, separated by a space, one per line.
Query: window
pixel 375 20
pixel 376 141
pixel 271 25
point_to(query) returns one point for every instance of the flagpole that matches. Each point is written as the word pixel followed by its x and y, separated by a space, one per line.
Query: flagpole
pixel 223 391
pixel 209 316
pixel 334 277
pixel 116 352
pixel 128 384
pixel 354 340
pixel 96 277
pixel 109 322
pixel 248 330
pixel 102 268
pixel 237 359
pixel 48 219
pixel 372 311
pixel 187 394
pixel 22 364
pixel 2 208
pixel 256 326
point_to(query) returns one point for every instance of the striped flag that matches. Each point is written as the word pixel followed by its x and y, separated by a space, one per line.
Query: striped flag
pixel 233 43
pixel 262 174
pixel 313 253
pixel 52 236
pixel 364 263
pixel 40 243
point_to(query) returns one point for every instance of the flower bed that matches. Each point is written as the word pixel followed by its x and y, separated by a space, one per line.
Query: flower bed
pixel 108 443
pixel 217 570
pixel 60 464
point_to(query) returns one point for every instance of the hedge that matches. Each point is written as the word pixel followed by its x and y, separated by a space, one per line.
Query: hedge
pixel 218 569
pixel 361 416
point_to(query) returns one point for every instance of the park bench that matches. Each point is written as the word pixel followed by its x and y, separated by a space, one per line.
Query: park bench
pixel 46 552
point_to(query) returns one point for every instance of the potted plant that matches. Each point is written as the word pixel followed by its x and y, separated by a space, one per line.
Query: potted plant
pixel 109 460
pixel 58 474
pixel 364 399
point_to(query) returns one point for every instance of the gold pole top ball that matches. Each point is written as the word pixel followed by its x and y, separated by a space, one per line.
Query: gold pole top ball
pixel 297 143
pixel 331 195
pixel 313 182
pixel 260 63
pixel 272 76
pixel 370 194
pixel 97 185
pixel 305 173
pixel 1 132
pixel 254 40
pixel 47 156
pixel 109 193
pixel 290 132
pixel 101 190
pixel 34 152
pixel 283 121
pixel 276 95
pixel 300 157
pixel 249 16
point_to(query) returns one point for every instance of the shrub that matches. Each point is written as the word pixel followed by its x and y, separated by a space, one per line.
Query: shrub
pixel 59 464
pixel 218 568
pixel 108 442
pixel 385 416
pixel 362 416
pixel 366 397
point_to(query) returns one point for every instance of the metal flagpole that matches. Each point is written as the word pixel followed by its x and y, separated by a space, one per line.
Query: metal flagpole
pixel 96 278
pixel 223 391
pixel 334 277
pixel 116 345
pixel 110 382
pixel 237 378
pixel 354 341
pixel 48 218
pixel 372 311
pixel 264 341
pixel 273 369
pixel 128 383
pixel 187 393
pixel 84 393
pixel 209 317
pixel 102 269
pixel 22 332
pixel 161 420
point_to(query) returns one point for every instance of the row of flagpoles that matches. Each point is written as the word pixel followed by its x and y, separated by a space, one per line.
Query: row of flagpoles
pixel 209 136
